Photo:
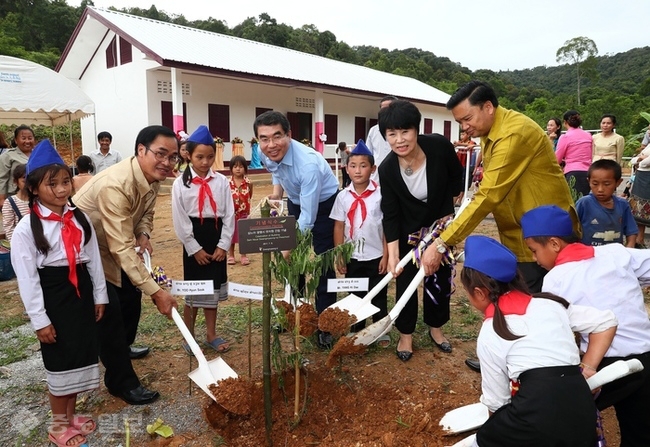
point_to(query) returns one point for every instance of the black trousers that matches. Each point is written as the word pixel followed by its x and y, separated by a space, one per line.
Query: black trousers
pixel 323 240
pixel 117 331
pixel 630 397
pixel 533 274
pixel 369 269
pixel 434 314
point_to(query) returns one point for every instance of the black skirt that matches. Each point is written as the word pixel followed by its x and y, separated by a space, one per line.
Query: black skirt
pixel 71 362
pixel 207 235
pixel 553 408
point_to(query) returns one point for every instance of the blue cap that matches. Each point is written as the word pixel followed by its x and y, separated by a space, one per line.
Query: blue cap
pixel 491 258
pixel 361 149
pixel 546 220
pixel 43 154
pixel 201 136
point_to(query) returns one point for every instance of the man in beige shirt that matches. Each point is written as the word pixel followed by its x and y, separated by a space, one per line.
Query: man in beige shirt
pixel 120 202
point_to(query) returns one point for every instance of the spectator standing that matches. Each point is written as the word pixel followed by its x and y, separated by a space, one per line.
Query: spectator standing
pixel 204 221
pixel 608 144
pixel 376 142
pixel 16 206
pixel 120 202
pixel 105 157
pixel 241 189
pixel 19 155
pixel 606 218
pixel 358 219
pixel 640 194
pixel 85 168
pixel 575 149
pixel 343 152
pixel 554 130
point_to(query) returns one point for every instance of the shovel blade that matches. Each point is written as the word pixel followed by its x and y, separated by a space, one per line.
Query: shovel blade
pixel 214 371
pixel 466 418
pixel 357 307
pixel 370 334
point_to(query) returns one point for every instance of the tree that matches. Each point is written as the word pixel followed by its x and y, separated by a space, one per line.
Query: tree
pixel 577 51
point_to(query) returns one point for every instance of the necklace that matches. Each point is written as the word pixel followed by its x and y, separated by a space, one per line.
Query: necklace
pixel 408 171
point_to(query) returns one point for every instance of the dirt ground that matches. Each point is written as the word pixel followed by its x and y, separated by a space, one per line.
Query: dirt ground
pixel 364 401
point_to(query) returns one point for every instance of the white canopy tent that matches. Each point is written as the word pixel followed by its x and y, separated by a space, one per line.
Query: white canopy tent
pixel 36 95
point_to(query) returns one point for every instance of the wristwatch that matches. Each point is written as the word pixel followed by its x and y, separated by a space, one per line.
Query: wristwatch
pixel 143 233
pixel 440 246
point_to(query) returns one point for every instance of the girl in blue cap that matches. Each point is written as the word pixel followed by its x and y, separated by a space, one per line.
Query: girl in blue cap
pixel 204 220
pixel 531 378
pixel 61 282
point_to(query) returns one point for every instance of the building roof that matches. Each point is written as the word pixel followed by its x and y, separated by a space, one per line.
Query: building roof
pixel 179 46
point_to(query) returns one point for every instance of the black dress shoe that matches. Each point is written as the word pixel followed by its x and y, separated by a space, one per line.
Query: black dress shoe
pixel 445 346
pixel 137 396
pixel 324 340
pixel 138 353
pixel 473 364
pixel 404 356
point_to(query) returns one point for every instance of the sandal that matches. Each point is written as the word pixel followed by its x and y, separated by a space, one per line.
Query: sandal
pixel 65 437
pixel 78 422
pixel 244 260
pixel 231 260
pixel 187 349
pixel 218 345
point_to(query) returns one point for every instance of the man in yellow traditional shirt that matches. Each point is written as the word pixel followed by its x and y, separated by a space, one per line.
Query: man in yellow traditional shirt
pixel 520 172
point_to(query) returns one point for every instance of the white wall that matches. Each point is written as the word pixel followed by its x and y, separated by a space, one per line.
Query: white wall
pixel 120 96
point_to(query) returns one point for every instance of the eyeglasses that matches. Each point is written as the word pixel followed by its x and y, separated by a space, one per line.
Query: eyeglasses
pixel 162 157
pixel 265 141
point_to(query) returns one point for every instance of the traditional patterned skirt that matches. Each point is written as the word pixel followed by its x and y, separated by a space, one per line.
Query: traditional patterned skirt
pixel 207 235
pixel 71 363
pixel 640 198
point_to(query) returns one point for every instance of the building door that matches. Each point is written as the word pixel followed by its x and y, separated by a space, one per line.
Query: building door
pixel 166 115
pixel 359 128
pixel 219 121
pixel 301 125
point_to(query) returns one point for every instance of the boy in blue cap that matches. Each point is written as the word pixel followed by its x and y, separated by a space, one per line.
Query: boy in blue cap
pixel 358 219
pixel 531 380
pixel 605 277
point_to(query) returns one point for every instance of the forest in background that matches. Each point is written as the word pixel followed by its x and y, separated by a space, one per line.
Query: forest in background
pixel 38 30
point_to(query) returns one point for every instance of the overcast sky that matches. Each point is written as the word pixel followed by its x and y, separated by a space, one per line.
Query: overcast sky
pixel 493 34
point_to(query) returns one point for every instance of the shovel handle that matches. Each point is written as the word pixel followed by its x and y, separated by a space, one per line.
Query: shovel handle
pixel 401 302
pixel 189 339
pixel 387 278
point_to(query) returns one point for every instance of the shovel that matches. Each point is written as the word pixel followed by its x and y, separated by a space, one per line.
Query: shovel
pixel 207 373
pixel 471 417
pixel 362 308
pixel 370 334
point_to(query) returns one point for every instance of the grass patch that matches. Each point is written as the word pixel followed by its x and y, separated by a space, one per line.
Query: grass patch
pixel 16 348
pixel 9 322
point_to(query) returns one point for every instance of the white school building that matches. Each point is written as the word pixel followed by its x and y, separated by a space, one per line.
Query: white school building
pixel 141 72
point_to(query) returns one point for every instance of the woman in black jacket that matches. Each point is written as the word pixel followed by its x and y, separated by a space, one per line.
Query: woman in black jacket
pixel 419 180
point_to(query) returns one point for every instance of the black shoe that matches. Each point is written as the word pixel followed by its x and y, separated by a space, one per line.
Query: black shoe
pixel 138 353
pixel 473 364
pixel 445 346
pixel 404 356
pixel 137 396
pixel 324 340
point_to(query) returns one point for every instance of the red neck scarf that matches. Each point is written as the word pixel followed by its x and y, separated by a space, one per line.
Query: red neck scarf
pixel 358 201
pixel 71 236
pixel 575 252
pixel 204 191
pixel 511 303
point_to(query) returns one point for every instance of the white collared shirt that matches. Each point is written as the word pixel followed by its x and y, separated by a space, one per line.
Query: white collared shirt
pixel 26 261
pixel 102 161
pixel 368 238
pixel 185 204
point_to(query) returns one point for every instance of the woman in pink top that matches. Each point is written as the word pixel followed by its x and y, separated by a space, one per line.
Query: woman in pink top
pixel 574 148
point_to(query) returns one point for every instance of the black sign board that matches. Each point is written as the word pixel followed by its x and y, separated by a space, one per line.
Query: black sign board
pixel 267 234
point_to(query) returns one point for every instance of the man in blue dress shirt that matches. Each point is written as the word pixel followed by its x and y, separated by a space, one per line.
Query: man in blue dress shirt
pixel 311 187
